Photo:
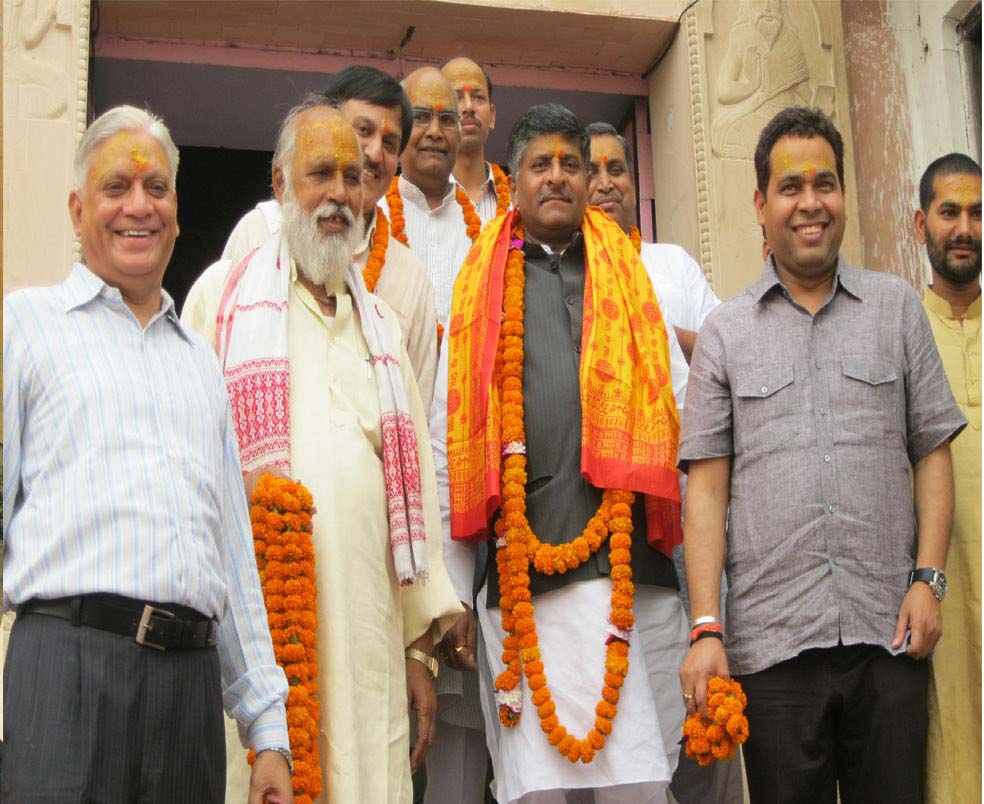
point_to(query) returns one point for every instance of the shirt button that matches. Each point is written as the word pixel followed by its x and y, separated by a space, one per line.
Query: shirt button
pixel 577 348
pixel 873 377
pixel 570 300
pixel 765 389
pixel 823 411
pixel 830 508
pixel 826 459
pixel 818 363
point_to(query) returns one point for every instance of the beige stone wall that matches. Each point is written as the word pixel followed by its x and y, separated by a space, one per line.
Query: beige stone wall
pixel 45 58
pixel 731 68
pixel 642 9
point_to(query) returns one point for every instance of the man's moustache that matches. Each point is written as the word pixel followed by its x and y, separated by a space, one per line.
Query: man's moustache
pixel 963 243
pixel 555 195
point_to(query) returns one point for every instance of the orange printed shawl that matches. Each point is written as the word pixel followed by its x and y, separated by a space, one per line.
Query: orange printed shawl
pixel 630 426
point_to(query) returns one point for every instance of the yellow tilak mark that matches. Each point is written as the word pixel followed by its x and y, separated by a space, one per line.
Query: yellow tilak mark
pixel 332 138
pixel 139 159
pixel 962 189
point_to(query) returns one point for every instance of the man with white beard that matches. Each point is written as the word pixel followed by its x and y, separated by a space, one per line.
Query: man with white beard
pixel 321 390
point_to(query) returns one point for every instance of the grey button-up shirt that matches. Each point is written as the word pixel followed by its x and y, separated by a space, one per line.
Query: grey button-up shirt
pixel 823 416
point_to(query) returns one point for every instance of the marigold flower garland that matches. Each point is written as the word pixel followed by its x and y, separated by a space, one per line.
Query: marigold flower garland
pixel 718 735
pixel 281 511
pixel 501 181
pixel 398 223
pixel 519 547
pixel 377 254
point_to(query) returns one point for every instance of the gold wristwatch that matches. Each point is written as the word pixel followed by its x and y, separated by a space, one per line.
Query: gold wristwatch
pixel 427 661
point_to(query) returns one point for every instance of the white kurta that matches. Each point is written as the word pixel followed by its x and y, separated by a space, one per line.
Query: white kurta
pixel 365 618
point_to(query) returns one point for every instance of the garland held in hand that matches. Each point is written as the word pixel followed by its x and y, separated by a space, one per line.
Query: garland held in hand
pixel 718 735
pixel 281 515
pixel 519 547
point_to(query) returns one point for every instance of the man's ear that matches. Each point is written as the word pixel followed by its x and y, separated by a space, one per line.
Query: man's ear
pixel 919 219
pixel 492 116
pixel 512 187
pixel 278 182
pixel 75 211
pixel 758 198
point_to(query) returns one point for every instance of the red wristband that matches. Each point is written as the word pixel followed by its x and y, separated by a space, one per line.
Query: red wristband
pixel 714 628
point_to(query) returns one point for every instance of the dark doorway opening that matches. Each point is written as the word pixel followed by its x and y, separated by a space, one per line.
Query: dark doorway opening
pixel 216 187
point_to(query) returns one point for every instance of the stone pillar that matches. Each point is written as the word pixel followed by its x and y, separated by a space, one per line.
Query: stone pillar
pixel 45 71
pixel 730 69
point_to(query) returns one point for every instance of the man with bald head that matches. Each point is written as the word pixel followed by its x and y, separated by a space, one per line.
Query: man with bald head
pixel 295 319
pixel 428 211
pixel 484 182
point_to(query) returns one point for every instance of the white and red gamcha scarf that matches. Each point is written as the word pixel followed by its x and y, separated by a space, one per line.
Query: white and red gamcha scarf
pixel 251 341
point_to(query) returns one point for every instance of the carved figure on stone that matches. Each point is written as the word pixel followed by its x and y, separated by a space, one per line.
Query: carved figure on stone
pixel 764 70
pixel 30 68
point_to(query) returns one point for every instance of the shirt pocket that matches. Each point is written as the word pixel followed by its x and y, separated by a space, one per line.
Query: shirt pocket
pixel 765 408
pixel 870 397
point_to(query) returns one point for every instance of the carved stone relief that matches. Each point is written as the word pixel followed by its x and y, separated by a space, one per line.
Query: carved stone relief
pixel 39 46
pixel 776 55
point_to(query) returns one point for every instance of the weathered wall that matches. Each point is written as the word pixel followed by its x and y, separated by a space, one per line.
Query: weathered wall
pixel 45 63
pixel 881 123
pixel 732 67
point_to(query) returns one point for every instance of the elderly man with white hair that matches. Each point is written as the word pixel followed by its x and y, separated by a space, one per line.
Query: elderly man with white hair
pixel 323 391
pixel 129 554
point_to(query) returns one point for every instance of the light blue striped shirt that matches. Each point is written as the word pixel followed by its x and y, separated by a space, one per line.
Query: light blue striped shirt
pixel 121 474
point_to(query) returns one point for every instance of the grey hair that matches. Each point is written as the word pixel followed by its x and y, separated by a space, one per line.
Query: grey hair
pixel 547 118
pixel 110 123
pixel 603 129
pixel 283 151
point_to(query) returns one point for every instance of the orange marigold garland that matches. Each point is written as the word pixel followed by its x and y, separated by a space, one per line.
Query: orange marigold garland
pixel 718 735
pixel 501 181
pixel 281 511
pixel 473 224
pixel 519 547
pixel 377 254
pixel 635 236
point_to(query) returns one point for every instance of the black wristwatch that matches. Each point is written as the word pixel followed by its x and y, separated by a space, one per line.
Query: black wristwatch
pixel 931 576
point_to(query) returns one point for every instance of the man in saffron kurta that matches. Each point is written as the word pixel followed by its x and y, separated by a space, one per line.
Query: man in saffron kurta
pixel 598 414
pixel 329 355
pixel 949 224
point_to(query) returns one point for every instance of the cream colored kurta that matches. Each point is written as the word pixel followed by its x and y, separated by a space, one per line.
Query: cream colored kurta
pixel 953 768
pixel 365 618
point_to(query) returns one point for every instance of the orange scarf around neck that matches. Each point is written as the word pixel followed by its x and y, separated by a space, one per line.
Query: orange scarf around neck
pixel 630 426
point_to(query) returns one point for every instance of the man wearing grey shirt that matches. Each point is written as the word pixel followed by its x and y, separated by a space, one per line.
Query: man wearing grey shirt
pixel 811 396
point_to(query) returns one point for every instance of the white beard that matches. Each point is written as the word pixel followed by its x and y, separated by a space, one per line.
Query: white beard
pixel 323 258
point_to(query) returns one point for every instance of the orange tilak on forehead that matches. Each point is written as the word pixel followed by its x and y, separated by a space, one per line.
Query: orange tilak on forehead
pixel 330 138
pixel 782 165
pixel 431 93
pixel 464 74
pixel 131 152
pixel 606 151
pixel 963 189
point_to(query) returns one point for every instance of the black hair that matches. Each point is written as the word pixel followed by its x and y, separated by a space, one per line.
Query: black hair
pixel 368 84
pixel 547 118
pixel 948 165
pixel 801 122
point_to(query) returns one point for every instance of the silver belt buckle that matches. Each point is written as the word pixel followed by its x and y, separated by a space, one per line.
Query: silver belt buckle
pixel 144 626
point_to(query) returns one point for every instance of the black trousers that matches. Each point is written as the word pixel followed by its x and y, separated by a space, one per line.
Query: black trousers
pixel 91 717
pixel 852 715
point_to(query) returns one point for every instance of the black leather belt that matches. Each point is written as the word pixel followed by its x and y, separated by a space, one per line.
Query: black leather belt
pixel 164 627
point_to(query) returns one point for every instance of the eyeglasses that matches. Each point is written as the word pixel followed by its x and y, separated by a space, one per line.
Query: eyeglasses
pixel 422 118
